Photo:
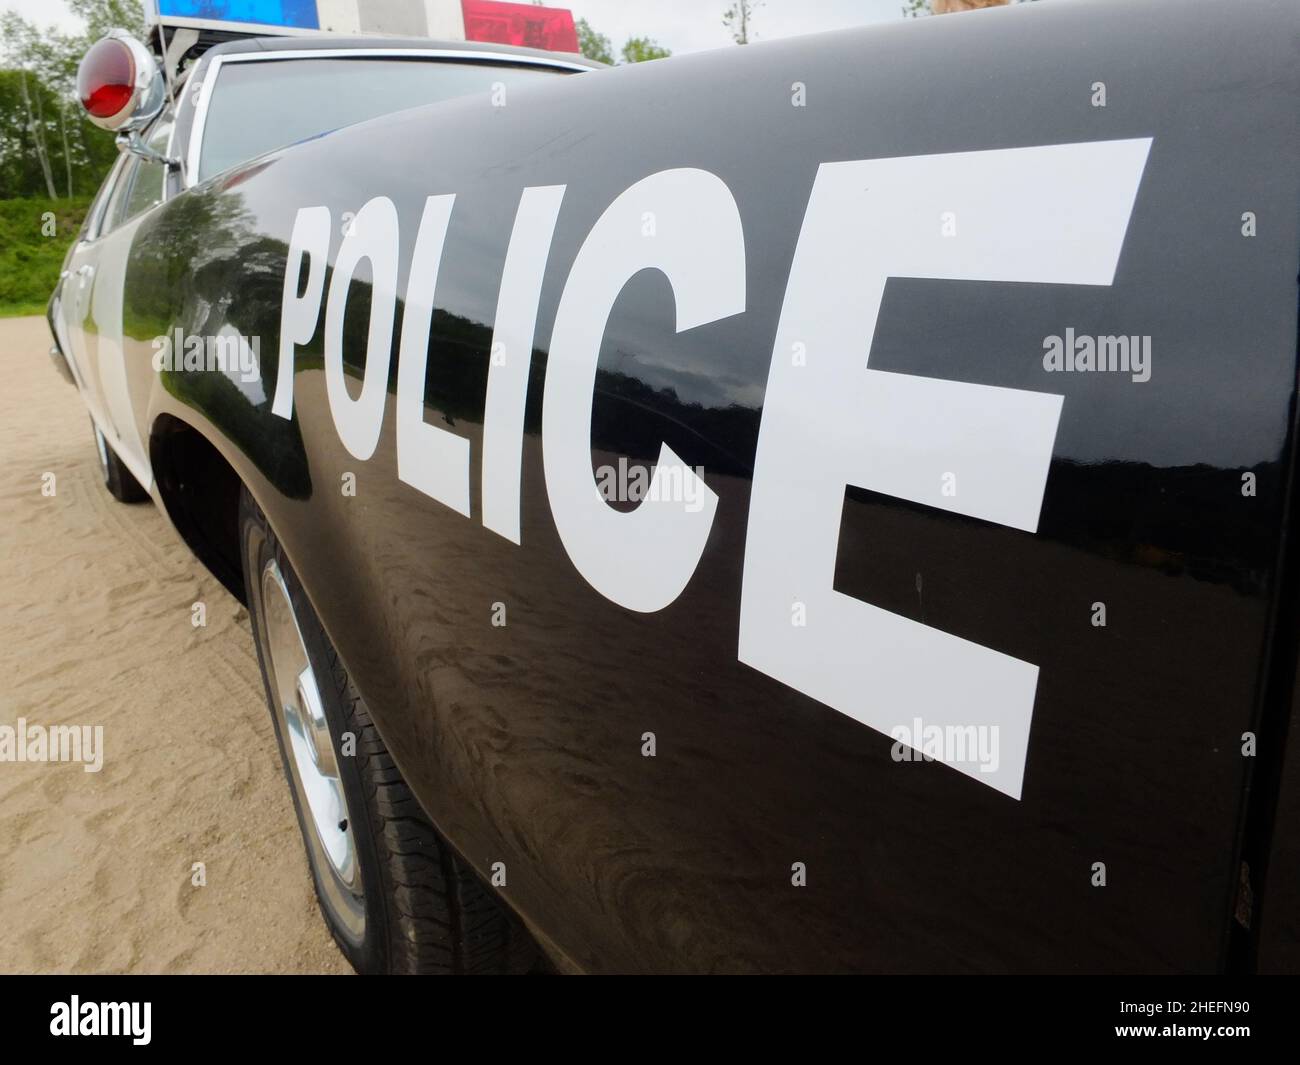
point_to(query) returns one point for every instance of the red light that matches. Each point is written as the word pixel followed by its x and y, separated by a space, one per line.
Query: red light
pixel 549 28
pixel 106 78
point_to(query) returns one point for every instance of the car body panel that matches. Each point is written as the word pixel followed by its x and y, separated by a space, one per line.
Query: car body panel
pixel 125 394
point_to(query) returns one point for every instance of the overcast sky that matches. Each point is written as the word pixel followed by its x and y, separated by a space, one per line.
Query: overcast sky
pixel 682 25
pixel 694 25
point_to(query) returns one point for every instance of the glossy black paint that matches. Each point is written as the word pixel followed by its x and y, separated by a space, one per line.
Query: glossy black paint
pixel 524 742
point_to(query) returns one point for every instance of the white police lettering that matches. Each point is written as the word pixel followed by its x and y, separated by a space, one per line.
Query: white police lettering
pixel 1053 215
pixel 431 459
pixel 299 314
pixel 512 355
pixel 372 236
pixel 643 558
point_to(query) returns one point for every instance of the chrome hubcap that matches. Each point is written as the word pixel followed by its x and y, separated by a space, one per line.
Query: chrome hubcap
pixel 312 763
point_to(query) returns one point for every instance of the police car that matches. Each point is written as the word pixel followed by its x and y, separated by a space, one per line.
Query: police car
pixel 676 535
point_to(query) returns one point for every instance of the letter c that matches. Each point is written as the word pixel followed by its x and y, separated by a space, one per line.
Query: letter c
pixel 640 559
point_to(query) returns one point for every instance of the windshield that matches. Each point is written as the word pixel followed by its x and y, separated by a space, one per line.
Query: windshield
pixel 257 106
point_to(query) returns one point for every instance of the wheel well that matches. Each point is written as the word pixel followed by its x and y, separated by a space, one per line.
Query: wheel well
pixel 200 490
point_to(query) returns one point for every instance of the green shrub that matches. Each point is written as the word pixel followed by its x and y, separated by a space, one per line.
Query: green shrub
pixel 29 259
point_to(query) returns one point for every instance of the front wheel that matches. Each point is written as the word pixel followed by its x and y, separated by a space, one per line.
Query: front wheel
pixel 394 895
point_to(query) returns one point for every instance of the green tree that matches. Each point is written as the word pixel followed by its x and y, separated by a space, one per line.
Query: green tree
pixel 738 19
pixel 25 166
pixel 39 113
pixel 640 49
pixel 599 47
pixel 594 45
pixel 100 16
pixel 47 147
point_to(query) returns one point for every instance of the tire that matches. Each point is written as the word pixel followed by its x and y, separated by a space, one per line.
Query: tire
pixel 119 481
pixel 395 896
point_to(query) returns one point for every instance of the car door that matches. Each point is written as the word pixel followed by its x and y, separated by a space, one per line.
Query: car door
pixel 76 289
pixel 141 187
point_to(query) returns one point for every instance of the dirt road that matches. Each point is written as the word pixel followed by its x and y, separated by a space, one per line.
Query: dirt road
pixel 98 869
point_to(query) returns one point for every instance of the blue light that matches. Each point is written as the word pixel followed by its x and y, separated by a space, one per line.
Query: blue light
pixel 298 14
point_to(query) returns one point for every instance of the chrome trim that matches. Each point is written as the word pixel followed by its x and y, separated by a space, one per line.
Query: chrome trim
pixel 102 448
pixel 199 119
pixel 142 473
pixel 95 226
pixel 61 364
pixel 130 141
pixel 171 148
pixel 60 329
pixel 214 65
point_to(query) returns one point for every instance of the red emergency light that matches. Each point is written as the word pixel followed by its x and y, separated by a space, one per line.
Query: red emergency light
pixel 526 25
pixel 106 79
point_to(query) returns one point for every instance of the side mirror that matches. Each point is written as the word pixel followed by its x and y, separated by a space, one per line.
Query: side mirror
pixel 122 90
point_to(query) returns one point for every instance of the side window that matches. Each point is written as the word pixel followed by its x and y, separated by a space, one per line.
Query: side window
pixel 147 190
pixel 115 212
pixel 141 183
pixel 147 187
pixel 96 217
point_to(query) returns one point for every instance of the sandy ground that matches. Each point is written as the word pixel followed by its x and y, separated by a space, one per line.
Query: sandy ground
pixel 96 869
